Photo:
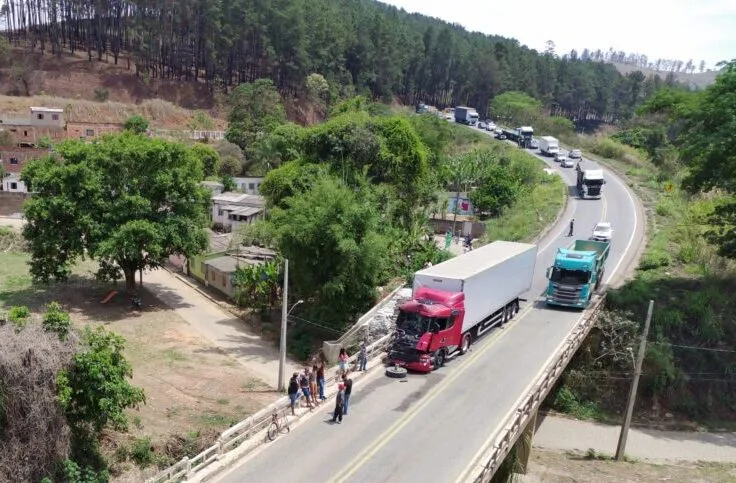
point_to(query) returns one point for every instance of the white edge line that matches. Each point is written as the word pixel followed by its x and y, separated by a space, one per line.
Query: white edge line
pixel 474 462
pixel 633 232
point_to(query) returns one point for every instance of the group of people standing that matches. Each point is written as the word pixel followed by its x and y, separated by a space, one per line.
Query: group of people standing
pixel 311 383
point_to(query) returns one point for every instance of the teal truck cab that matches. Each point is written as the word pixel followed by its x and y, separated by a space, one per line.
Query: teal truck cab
pixel 577 273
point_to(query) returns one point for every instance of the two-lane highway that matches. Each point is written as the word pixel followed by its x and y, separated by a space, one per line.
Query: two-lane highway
pixel 430 427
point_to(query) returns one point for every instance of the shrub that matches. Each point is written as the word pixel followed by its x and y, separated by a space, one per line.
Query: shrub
pixel 141 451
pixel 137 124
pixel 101 94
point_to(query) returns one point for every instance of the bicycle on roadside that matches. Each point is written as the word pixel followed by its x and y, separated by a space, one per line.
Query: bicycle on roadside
pixel 279 424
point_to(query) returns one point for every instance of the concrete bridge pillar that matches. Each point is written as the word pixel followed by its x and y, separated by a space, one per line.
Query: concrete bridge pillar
pixel 523 445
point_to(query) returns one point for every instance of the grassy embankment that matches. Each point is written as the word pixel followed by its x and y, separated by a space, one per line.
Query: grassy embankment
pixel 692 288
pixel 534 210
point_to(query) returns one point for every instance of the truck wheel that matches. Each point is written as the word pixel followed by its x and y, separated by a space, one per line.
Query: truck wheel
pixel 396 372
pixel 439 359
pixel 465 344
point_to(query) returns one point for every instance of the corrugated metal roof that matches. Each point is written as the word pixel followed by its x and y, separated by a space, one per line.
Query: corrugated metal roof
pixel 246 211
pixel 225 264
pixel 472 262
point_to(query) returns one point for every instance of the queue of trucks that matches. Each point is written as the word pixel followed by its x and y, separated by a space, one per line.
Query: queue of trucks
pixel 457 301
pixel 466 115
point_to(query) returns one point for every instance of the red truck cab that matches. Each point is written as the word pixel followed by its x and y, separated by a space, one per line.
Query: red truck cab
pixel 428 328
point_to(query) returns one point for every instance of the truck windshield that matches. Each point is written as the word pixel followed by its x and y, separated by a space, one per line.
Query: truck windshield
pixel 415 324
pixel 569 277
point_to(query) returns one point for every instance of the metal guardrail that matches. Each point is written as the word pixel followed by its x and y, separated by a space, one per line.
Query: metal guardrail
pixel 528 404
pixel 233 437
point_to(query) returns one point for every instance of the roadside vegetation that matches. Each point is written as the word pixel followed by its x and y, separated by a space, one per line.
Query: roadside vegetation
pixel 350 200
pixel 677 154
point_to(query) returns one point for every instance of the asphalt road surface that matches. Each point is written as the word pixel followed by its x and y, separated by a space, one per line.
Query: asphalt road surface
pixel 430 427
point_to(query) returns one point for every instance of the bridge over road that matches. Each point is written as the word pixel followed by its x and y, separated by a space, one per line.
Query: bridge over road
pixel 441 426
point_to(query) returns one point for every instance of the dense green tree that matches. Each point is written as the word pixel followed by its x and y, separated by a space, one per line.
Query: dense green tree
pixel 516 106
pixel 331 237
pixel 255 111
pixel 291 179
pixel 708 148
pixel 127 201
pixel 232 160
pixel 374 49
pixel 209 157
pixel 499 188
pixel 136 124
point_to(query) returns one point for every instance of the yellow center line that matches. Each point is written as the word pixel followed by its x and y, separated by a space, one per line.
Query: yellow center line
pixel 604 209
pixel 360 460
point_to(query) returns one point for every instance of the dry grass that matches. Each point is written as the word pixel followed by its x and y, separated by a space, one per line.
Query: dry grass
pixel 34 435
pixel 160 113
pixel 554 467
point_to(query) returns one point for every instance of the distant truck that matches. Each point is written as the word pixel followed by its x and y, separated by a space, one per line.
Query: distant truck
pixel 577 273
pixel 522 136
pixel 466 115
pixel 459 300
pixel 590 180
pixel 526 136
pixel 549 146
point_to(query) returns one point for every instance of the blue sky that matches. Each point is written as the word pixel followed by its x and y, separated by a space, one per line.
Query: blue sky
pixel 673 29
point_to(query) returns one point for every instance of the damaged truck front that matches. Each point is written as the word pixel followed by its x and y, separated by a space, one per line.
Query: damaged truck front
pixel 457 301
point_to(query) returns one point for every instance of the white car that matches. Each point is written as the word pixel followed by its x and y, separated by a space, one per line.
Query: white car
pixel 490 126
pixel 602 232
pixel 565 162
pixel 482 125
pixel 575 154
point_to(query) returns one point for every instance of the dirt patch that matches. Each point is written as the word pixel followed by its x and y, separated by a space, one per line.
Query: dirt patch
pixel 555 467
pixel 193 390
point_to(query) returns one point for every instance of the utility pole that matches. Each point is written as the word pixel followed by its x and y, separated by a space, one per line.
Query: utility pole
pixel 621 449
pixel 284 316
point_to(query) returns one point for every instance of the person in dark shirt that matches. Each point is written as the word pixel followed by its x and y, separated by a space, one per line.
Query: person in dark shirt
pixel 348 391
pixel 293 391
pixel 339 400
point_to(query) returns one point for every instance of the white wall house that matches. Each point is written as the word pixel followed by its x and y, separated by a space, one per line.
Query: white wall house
pixel 47 116
pixel 251 186
pixel 13 184
pixel 232 210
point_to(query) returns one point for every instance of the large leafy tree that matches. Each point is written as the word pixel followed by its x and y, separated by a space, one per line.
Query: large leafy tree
pixel 255 111
pixel 330 235
pixel 708 146
pixel 127 201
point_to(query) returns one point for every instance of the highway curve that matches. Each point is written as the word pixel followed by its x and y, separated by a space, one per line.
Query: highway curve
pixel 430 427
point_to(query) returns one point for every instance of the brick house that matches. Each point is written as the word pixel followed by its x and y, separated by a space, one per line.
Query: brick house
pixel 49 122
pixel 42 122
pixel 90 130
pixel 13 160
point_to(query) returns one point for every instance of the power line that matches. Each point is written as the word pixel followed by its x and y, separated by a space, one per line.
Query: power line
pixel 650 374
pixel 299 319
pixel 692 347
